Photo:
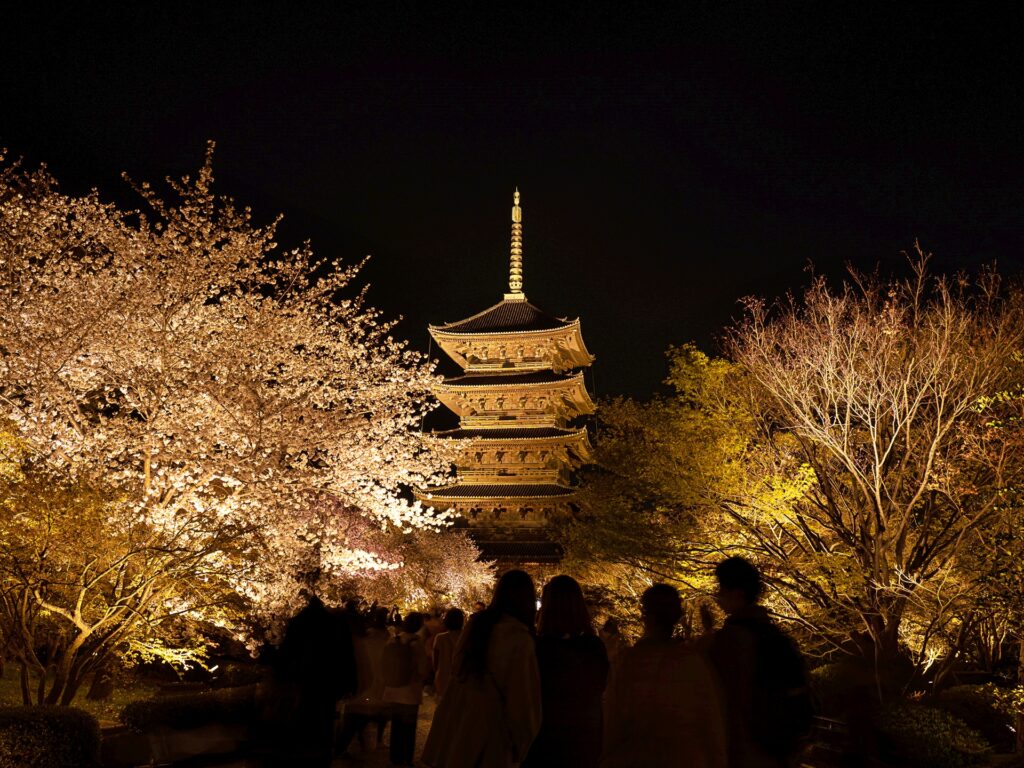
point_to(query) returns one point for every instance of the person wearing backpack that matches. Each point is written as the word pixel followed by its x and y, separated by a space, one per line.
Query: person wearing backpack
pixel 768 703
pixel 404 667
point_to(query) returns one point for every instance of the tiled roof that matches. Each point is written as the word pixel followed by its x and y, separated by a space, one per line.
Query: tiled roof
pixel 504 491
pixel 508 379
pixel 506 316
pixel 520 433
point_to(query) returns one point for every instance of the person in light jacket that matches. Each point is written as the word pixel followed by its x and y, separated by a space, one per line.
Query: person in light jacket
pixel 404 702
pixel 444 649
pixel 491 710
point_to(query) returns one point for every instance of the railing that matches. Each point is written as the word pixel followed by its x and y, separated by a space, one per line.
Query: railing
pixel 828 743
pixel 499 474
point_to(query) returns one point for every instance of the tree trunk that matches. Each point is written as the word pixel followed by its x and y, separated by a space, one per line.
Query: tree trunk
pixel 102 686
pixel 26 691
pixel 60 683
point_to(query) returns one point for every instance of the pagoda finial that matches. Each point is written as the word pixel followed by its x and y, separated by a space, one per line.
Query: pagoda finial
pixel 515 270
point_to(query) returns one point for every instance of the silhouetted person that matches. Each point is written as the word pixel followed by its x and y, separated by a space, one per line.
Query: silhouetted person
pixel 314 668
pixel 433 625
pixel 491 711
pixel 664 704
pixel 368 706
pixel 444 649
pixel 767 700
pixel 614 642
pixel 404 667
pixel 573 674
pixel 857 701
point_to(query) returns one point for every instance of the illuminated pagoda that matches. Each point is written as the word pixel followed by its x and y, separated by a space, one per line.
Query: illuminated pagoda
pixel 519 401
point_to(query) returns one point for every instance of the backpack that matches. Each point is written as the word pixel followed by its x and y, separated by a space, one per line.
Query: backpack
pixel 783 712
pixel 397 663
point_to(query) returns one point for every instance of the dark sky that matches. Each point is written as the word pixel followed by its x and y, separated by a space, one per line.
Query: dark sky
pixel 669 162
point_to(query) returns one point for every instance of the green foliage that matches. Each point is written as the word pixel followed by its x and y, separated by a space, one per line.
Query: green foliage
pixel 48 737
pixel 230 705
pixel 829 685
pixel 987 708
pixel 127 690
pixel 916 736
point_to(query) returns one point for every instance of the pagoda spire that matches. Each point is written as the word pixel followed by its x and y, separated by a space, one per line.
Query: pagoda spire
pixel 515 270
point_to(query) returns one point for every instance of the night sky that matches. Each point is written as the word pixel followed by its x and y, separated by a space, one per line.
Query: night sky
pixel 669 163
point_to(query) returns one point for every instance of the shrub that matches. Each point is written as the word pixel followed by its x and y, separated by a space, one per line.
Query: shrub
pixel 827 685
pixel 230 705
pixel 234 675
pixel 987 708
pixel 916 736
pixel 48 737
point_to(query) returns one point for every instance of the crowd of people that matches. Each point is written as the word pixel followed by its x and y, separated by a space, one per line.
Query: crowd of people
pixel 518 685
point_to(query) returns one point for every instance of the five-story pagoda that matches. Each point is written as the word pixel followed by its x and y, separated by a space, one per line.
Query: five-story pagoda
pixel 519 402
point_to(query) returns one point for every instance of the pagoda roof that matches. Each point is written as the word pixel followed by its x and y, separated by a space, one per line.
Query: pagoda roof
pixel 510 379
pixel 516 433
pixel 496 491
pixel 507 316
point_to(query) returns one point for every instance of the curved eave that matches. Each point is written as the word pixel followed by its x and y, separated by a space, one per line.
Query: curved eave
pixel 577 441
pixel 583 347
pixel 444 332
pixel 572 391
pixel 565 383
pixel 557 439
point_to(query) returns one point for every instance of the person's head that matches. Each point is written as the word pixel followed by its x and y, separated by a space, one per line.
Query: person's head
pixel 515 596
pixel 413 623
pixel 478 606
pixel 433 622
pixel 379 618
pixel 563 611
pixel 661 608
pixel 611 626
pixel 739 584
pixel 454 619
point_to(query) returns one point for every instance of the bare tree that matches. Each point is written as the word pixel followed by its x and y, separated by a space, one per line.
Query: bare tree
pixel 876 391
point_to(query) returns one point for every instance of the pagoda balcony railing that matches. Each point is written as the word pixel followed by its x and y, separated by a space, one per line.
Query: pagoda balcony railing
pixel 498 475
pixel 484 420
pixel 476 366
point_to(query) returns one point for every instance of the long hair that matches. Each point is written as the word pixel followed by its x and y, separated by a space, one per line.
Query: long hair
pixel 515 596
pixel 563 611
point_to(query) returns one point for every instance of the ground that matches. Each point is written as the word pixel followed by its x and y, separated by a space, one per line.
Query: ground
pixel 374 758
pixel 379 758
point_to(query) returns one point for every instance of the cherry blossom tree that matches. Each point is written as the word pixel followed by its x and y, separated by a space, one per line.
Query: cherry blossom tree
pixel 227 404
pixel 438 569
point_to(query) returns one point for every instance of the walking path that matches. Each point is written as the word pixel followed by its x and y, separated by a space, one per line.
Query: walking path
pixel 378 758
pixel 373 758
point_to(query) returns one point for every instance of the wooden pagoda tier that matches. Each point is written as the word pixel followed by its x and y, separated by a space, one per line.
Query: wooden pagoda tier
pixel 513 335
pixel 519 402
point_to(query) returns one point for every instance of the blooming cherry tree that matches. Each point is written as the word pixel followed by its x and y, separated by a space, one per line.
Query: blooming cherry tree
pixel 219 394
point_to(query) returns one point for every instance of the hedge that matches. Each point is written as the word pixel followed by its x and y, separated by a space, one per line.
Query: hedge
pixel 917 736
pixel 229 705
pixel 987 708
pixel 48 737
